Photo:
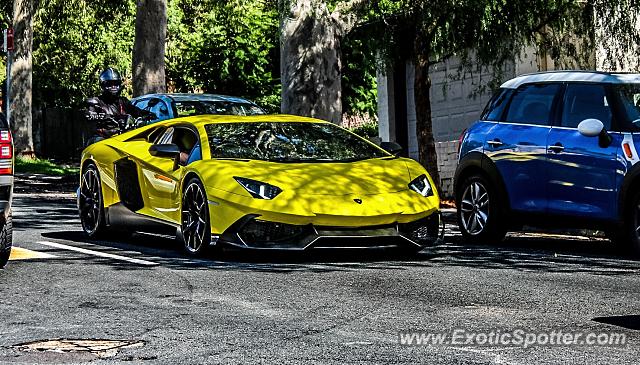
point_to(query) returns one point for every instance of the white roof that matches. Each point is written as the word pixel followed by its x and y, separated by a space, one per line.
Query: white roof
pixel 575 76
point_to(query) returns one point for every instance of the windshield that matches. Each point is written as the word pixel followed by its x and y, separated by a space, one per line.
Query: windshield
pixel 630 99
pixel 288 142
pixel 199 107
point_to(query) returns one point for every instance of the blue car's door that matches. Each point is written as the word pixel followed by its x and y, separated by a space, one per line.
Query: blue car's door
pixel 582 170
pixel 517 145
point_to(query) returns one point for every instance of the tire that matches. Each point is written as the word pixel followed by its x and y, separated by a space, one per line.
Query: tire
pixel 631 236
pixel 6 241
pixel 480 213
pixel 195 227
pixel 91 204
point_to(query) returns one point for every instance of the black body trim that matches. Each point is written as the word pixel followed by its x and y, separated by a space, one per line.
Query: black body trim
pixel 128 184
pixel 480 161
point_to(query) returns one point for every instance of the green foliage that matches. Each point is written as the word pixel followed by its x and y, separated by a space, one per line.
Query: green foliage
pixel 212 46
pixel 497 31
pixel 74 40
pixel 227 48
pixel 359 83
pixel 41 166
pixel 368 130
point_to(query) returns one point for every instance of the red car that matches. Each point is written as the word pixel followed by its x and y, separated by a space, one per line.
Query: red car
pixel 6 190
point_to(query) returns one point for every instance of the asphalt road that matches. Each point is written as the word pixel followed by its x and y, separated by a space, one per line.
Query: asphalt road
pixel 318 307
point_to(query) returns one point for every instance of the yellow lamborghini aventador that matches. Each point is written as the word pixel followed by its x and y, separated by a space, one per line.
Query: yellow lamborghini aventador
pixel 261 182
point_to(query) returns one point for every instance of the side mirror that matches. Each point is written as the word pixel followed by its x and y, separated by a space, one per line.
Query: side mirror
pixel 164 150
pixel 392 147
pixel 590 127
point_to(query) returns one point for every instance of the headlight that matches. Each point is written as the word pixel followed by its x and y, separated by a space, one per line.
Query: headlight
pixel 421 186
pixel 258 189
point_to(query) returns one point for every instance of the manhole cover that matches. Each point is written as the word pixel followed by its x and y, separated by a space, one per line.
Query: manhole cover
pixel 101 348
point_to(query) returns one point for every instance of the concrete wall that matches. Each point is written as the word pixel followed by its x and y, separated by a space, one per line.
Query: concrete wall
pixel 447 163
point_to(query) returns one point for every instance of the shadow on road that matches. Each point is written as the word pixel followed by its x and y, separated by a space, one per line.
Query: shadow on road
pixel 57 219
pixel 516 253
pixel 629 322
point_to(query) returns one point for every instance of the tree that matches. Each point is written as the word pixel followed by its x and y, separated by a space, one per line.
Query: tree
pixel 74 40
pixel 149 47
pixel 479 32
pixel 226 47
pixel 311 56
pixel 21 77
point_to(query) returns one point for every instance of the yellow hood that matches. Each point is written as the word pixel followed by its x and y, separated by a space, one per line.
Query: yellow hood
pixel 375 176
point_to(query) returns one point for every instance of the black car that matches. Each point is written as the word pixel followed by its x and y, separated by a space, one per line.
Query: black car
pixel 6 190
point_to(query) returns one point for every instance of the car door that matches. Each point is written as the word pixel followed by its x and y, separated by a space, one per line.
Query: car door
pixel 582 170
pixel 517 145
pixel 160 180
pixel 162 175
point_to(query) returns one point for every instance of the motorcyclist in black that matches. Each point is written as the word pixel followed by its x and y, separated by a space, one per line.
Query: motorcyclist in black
pixel 110 111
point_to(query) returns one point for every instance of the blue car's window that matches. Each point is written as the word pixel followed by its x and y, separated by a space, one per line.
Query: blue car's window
pixel 531 104
pixel 160 109
pixel 585 101
pixel 629 96
pixel 495 108
pixel 200 107
pixel 288 142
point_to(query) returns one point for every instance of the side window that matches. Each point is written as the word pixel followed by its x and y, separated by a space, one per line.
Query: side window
pixel 153 136
pixel 585 101
pixel 166 137
pixel 531 104
pixel 494 109
pixel 159 108
pixel 187 140
pixel 142 104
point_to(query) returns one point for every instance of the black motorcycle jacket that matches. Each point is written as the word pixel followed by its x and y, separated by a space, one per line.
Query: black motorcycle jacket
pixel 109 113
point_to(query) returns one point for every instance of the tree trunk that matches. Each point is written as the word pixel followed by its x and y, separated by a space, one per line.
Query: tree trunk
pixel 149 47
pixel 20 94
pixel 310 61
pixel 424 124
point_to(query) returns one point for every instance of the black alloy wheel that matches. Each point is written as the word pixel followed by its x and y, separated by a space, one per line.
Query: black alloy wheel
pixel 90 202
pixel 479 210
pixel 6 241
pixel 195 227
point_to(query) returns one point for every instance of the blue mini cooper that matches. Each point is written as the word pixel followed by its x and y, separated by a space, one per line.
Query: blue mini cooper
pixel 554 149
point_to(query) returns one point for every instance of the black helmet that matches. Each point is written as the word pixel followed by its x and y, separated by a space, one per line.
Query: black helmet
pixel 111 82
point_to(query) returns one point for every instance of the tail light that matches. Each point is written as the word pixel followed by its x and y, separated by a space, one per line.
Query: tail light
pixel 6 153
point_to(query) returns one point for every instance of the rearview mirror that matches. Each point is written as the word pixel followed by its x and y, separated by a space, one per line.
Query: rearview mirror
pixel 164 150
pixel 590 127
pixel 392 147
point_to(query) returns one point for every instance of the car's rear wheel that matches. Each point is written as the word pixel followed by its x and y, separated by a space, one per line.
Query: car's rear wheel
pixel 195 227
pixel 632 224
pixel 91 206
pixel 6 240
pixel 479 210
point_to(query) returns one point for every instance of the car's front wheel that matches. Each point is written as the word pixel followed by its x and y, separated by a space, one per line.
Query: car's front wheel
pixel 90 203
pixel 6 241
pixel 195 228
pixel 479 210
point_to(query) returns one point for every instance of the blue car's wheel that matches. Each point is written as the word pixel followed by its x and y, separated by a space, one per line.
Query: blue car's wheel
pixel 632 223
pixel 195 227
pixel 479 210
